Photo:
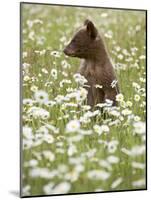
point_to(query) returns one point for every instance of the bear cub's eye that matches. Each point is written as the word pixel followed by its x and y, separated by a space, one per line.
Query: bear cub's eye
pixel 74 40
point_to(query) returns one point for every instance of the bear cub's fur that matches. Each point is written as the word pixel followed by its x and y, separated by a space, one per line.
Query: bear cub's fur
pixel 96 66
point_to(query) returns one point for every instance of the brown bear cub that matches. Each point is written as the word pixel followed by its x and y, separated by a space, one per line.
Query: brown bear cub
pixel 96 66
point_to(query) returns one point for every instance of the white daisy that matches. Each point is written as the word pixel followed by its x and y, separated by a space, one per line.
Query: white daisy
pixel 41 96
pixel 73 126
pixel 54 73
pixel 119 97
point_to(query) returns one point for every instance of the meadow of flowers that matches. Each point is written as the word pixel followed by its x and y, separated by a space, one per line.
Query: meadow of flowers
pixel 67 147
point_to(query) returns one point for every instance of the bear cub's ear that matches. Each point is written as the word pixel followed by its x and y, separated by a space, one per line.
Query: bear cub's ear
pixel 92 31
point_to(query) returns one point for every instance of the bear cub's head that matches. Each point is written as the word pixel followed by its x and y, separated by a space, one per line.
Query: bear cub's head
pixel 84 42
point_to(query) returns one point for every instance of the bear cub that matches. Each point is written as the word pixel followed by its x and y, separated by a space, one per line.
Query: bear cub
pixel 96 66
